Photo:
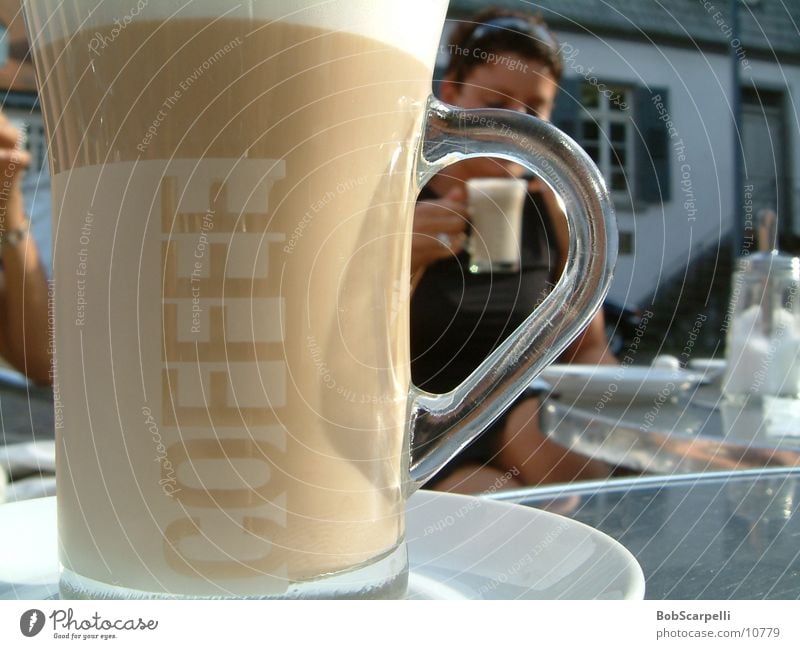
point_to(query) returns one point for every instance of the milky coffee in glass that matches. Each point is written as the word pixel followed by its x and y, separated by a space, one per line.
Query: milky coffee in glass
pixel 233 188
pixel 216 208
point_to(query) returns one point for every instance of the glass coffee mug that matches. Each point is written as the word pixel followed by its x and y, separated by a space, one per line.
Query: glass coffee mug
pixel 233 190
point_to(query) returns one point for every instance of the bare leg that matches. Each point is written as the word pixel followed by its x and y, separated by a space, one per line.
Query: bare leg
pixel 538 460
pixel 476 479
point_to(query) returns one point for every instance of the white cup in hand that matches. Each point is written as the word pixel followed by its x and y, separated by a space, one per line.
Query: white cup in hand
pixel 495 210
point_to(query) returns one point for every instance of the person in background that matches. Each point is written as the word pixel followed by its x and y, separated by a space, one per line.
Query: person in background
pixel 24 334
pixel 509 60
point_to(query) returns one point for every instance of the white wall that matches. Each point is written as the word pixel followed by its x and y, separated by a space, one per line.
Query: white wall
pixel 698 106
pixel 667 238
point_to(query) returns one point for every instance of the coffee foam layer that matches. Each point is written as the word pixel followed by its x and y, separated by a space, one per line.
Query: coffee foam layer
pixel 413 26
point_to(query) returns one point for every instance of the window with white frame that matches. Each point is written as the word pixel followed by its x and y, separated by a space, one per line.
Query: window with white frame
pixel 607 135
pixel 4 45
pixel 37 142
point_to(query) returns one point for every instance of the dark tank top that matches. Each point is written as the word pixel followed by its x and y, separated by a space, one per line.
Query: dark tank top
pixel 458 318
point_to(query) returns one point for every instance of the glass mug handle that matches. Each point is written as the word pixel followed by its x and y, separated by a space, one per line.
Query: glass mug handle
pixel 441 425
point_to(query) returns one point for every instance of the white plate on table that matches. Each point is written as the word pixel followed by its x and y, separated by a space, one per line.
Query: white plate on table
pixel 587 382
pixel 460 547
pixel 712 368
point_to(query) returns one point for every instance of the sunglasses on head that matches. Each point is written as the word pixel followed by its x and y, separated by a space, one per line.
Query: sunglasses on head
pixel 511 26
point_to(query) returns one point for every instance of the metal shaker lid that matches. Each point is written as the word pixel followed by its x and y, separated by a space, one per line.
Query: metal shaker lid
pixel 768 260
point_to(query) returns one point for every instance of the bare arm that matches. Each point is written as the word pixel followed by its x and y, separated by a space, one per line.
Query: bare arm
pixel 591 347
pixel 23 290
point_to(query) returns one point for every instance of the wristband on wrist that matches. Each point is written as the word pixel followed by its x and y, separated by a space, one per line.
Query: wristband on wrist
pixel 15 236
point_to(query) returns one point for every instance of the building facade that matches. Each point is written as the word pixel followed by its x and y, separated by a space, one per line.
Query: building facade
pixel 648 91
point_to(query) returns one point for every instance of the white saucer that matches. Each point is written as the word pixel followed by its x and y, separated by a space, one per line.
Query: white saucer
pixel 460 547
pixel 712 368
pixel 618 381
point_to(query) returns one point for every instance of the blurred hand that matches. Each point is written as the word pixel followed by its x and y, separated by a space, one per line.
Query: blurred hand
pixel 440 229
pixel 13 160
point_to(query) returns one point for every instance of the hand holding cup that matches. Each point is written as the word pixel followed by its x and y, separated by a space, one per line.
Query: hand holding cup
pixel 440 228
